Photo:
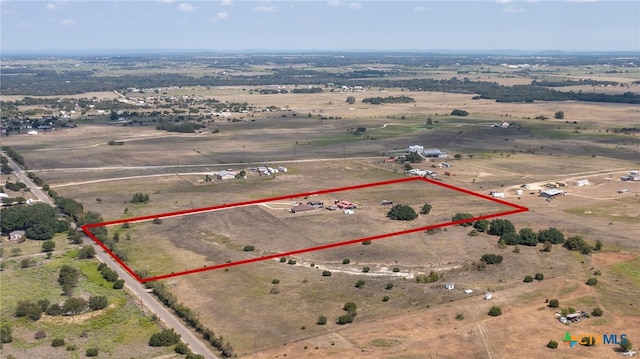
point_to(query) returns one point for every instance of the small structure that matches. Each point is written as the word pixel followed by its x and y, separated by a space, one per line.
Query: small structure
pixel 32 132
pixel 224 175
pixel 519 192
pixel 282 169
pixel 449 286
pixel 468 291
pixel 487 296
pixel 434 152
pixel 497 194
pixel 316 204
pixel 551 193
pixel 386 202
pixel 348 211
pixel 16 236
pixel 302 208
pixel 581 183
pixel 415 148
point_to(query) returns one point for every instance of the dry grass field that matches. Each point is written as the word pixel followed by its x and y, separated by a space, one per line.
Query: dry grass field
pixel 265 319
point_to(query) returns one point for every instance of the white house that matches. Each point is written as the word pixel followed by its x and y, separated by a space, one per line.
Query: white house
pixel 449 286
pixel 582 182
pixel 487 296
pixel 415 148
pixel 224 175
pixel 497 194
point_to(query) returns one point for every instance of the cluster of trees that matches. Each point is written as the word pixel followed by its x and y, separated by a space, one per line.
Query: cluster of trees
pixel 526 236
pixel 68 278
pixel 577 243
pixel 13 155
pixel 190 318
pixel 307 90
pixel 389 99
pixel 184 127
pixel 139 197
pixel 39 221
pixel 111 276
pixel 350 308
pixel 71 306
pixel 431 278
pixel 164 338
pixel 5 169
pixel 459 113
pixel 462 216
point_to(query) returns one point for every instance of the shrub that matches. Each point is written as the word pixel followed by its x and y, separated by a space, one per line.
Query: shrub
pixel 140 198
pixel 326 273
pixel 389 286
pixel 592 281
pixel 283 259
pixel 385 298
pixel 40 334
pixel 181 348
pixel 553 303
pixel 365 269
pixel 552 344
pixel 322 320
pixel 596 312
pixel 539 276
pixel 291 261
pixel 459 316
pixel 461 216
pixel 396 269
pixel 157 220
pixel 528 279
pixel 473 233
pixel 495 311
pixel 491 258
pixel 402 212
pixel 350 307
pixel 426 208
pixel 360 283
pixel 118 284
pixel 164 338
pixel 248 248
pixel 345 319
pixel 346 261
pixel 58 342
pixel 275 281
pixel 98 302
pixel 92 352
pixel 366 243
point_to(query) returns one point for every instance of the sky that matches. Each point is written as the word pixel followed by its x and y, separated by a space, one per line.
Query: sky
pixel 303 25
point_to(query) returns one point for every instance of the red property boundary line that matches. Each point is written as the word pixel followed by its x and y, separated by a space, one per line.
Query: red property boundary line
pixel 87 227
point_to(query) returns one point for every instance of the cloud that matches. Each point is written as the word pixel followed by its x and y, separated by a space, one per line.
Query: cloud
pixel 51 6
pixel 513 9
pixel 350 5
pixel 581 0
pixel 186 7
pixel 504 1
pixel 168 1
pixel 421 8
pixel 67 22
pixel 226 2
pixel 262 8
pixel 222 16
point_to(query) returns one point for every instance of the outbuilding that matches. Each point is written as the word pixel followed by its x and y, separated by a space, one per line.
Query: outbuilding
pixel 582 182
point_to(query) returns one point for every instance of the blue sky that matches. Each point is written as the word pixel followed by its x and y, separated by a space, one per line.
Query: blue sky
pixel 231 25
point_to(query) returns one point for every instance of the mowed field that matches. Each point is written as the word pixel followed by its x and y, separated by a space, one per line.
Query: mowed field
pixel 267 320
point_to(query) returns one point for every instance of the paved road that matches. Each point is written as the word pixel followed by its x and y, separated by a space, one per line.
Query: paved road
pixel 43 197
pixel 135 288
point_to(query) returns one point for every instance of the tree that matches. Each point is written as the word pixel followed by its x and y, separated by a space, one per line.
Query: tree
pixel 559 115
pixel 345 319
pixel 626 345
pixel 351 100
pixel 598 245
pixel 553 303
pixel 592 281
pixel 74 305
pixel 462 216
pixel 86 252
pixel 552 344
pixel 360 283
pixel 322 320
pixel 40 231
pixel 499 226
pixel 182 348
pixel 596 312
pixel 29 309
pixel 426 208
pixel 164 338
pixel 481 225
pixel 510 238
pixel 459 113
pixel 68 278
pixel 495 311
pixel 552 235
pixel 547 246
pixel 402 212
pixel 539 276
pixel 576 243
pixel 528 237
pixel 528 279
pixel 48 246
pixel 5 333
pixel 491 258
pixel 350 307
pixel 98 302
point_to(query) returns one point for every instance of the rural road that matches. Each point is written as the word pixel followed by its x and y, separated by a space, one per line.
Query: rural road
pixel 135 288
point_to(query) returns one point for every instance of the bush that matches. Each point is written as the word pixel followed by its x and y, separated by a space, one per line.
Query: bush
pixel 275 281
pixel 118 284
pixel 402 212
pixel 345 319
pixel 326 273
pixel 27 262
pixel 283 259
pixel 462 216
pixel 5 334
pixel 592 281
pixel 291 261
pixel 248 248
pixel 350 307
pixel 389 286
pixel 396 269
pixel 495 311
pixel 58 342
pixel 346 261
pixel 426 208
pixel 92 352
pixel 552 344
pixel 491 258
pixel 459 316
pixel 164 338
pixel 596 312
pixel 366 243
pixel 322 320
pixel 98 302
pixel 40 334
pixel 528 279
pixel 360 283
pixel 182 348
pixel 365 269
pixel 553 303
pixel 140 198
pixel 539 276
pixel 385 298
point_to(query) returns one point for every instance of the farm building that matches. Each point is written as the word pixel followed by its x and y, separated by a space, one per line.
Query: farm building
pixel 497 194
pixel 582 182
pixel 224 175
pixel 449 286
pixel 550 193
pixel 415 148
pixel 302 208
pixel 434 152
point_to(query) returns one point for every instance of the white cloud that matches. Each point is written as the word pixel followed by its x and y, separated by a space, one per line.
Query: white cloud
pixel 513 9
pixel 168 1
pixel 503 1
pixel 350 5
pixel 51 6
pixel 67 22
pixel 24 24
pixel 581 0
pixel 355 5
pixel 334 3
pixel 262 8
pixel 186 7
pixel 222 16
pixel 226 2
pixel 421 8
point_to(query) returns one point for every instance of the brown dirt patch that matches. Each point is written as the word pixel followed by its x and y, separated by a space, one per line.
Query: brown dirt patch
pixel 608 258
